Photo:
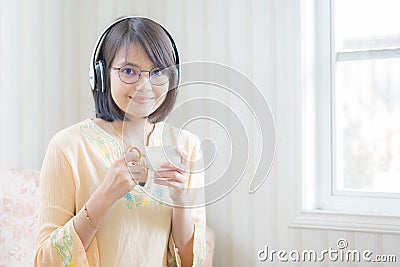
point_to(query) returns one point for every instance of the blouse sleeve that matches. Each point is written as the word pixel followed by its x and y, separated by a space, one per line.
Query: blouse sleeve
pixel 57 243
pixel 196 197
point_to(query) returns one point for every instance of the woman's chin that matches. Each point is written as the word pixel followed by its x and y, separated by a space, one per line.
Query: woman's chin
pixel 139 113
pixel 136 110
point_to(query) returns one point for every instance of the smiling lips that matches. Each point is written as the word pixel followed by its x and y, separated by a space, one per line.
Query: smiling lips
pixel 141 99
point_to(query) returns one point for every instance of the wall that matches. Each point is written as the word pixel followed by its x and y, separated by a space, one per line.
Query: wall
pixel 45 51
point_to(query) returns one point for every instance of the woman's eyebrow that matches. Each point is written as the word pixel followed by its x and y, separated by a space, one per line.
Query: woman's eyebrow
pixel 125 62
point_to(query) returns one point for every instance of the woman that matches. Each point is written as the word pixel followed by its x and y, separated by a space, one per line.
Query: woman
pixel 100 206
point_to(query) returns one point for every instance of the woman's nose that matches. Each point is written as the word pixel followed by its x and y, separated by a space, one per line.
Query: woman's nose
pixel 143 84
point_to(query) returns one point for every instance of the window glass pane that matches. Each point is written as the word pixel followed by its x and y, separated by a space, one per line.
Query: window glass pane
pixel 366 24
pixel 367 125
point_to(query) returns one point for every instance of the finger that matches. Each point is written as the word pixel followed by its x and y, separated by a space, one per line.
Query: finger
pixel 184 155
pixel 155 179
pixel 132 182
pixel 172 175
pixel 173 167
pixel 120 161
pixel 134 167
pixel 132 164
pixel 139 176
pixel 169 183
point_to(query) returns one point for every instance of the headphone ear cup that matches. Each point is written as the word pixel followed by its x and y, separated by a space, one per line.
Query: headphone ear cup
pixel 100 76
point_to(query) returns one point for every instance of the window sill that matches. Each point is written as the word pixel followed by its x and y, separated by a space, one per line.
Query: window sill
pixel 330 220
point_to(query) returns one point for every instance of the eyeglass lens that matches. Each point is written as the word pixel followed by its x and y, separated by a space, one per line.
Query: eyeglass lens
pixel 131 74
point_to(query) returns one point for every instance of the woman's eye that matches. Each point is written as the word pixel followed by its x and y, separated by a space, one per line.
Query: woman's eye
pixel 129 71
pixel 156 72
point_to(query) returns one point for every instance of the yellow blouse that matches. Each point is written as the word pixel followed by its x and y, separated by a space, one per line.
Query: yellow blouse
pixel 137 229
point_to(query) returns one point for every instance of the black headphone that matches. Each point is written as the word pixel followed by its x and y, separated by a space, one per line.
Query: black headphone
pixel 97 68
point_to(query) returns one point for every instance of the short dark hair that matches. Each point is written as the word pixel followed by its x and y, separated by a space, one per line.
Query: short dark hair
pixel 152 38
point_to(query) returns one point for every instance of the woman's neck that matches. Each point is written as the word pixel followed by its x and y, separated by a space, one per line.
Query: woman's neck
pixel 135 131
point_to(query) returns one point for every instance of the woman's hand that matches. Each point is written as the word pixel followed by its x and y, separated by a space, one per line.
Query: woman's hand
pixel 176 178
pixel 122 176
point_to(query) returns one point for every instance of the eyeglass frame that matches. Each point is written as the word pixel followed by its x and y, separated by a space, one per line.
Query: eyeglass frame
pixel 140 73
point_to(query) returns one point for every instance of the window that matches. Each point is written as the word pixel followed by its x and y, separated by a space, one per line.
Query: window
pixel 354 50
pixel 366 96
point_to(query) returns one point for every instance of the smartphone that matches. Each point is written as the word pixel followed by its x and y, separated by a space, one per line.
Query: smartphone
pixel 155 155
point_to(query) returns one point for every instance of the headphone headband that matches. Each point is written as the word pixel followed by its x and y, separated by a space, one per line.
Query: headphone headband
pixel 96 79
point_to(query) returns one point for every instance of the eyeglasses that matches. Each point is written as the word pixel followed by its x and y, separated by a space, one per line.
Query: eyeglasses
pixel 131 73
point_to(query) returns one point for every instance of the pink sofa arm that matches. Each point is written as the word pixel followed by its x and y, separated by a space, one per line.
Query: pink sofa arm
pixel 18 205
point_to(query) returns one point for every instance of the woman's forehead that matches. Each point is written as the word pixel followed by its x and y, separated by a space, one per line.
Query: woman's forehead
pixel 133 53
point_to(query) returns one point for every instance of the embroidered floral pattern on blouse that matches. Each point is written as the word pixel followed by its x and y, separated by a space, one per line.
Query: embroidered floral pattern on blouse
pixel 171 262
pixel 101 139
pixel 145 202
pixel 61 240
pixel 159 192
pixel 132 200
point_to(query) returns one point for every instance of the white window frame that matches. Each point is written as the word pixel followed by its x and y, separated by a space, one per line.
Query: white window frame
pixel 322 207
